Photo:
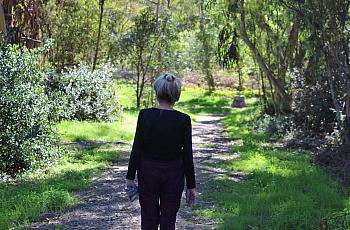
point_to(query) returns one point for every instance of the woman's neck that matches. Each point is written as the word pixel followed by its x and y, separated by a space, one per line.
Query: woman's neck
pixel 167 106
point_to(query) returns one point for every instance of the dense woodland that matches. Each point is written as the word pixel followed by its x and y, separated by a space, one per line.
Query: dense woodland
pixel 65 60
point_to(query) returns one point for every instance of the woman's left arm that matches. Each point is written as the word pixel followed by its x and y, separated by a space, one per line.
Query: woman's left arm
pixel 136 150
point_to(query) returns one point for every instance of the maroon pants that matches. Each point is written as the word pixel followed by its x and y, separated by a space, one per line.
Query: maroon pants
pixel 161 184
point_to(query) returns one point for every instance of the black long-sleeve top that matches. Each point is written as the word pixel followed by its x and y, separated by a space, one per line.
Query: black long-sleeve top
pixel 163 135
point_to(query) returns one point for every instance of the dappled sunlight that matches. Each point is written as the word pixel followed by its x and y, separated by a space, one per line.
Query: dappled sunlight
pixel 283 188
pixel 53 188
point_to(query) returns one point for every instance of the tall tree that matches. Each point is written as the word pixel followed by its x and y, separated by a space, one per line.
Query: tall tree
pixel 279 87
pixel 139 46
pixel 207 52
pixel 101 3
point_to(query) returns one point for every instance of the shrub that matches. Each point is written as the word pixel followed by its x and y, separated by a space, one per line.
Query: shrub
pixel 84 95
pixel 312 105
pixel 27 137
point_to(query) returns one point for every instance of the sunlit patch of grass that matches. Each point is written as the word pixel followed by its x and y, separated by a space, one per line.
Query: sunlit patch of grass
pixel 25 199
pixel 125 93
pixel 209 145
pixel 200 101
pixel 197 100
pixel 205 213
pixel 121 130
pixel 283 189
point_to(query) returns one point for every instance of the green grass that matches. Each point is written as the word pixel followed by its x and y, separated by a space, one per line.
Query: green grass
pixel 121 130
pixel 283 189
pixel 198 101
pixel 52 189
pixel 125 93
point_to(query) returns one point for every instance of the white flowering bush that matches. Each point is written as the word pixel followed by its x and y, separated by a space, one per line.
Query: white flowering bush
pixel 27 135
pixel 81 94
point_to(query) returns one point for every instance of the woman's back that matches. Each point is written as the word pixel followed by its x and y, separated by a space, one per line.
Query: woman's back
pixel 163 133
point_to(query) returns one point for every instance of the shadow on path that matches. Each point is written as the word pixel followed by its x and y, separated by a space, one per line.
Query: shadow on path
pixel 105 206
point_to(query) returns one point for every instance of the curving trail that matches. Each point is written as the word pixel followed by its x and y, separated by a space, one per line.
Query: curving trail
pixel 105 206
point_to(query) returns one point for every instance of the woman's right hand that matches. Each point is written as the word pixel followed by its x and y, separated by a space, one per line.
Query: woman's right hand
pixel 191 197
pixel 130 183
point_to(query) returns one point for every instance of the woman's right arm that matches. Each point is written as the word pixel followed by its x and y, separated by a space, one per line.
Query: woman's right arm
pixel 136 150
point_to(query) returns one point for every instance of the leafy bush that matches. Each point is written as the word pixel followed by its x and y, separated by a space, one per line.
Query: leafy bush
pixel 272 126
pixel 312 105
pixel 27 137
pixel 84 95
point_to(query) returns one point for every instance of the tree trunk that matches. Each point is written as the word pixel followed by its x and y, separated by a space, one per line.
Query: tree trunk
pixel 102 2
pixel 347 113
pixel 2 22
pixel 138 91
pixel 206 48
pixel 347 100
pixel 276 84
pixel 263 88
pixel 240 82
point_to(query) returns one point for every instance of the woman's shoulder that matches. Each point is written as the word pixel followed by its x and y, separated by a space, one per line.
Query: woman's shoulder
pixel 184 115
pixel 172 112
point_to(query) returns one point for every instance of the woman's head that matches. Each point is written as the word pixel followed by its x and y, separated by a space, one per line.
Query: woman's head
pixel 168 88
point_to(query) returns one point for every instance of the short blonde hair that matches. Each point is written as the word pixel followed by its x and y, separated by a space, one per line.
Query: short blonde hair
pixel 168 88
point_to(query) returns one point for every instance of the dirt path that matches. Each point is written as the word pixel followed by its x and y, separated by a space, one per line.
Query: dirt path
pixel 105 206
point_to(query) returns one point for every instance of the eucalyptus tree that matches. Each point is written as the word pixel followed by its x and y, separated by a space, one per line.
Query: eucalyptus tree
pixel 326 24
pixel 272 53
pixel 204 35
pixel 74 33
pixel 101 3
pixel 139 46
pixel 302 47
pixel 21 21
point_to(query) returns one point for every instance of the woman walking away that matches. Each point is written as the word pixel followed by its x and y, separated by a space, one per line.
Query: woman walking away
pixel 162 156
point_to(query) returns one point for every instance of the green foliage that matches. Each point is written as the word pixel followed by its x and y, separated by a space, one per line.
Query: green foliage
pixel 27 135
pixel 185 53
pixel 316 102
pixel 84 95
pixel 282 188
pixel 139 43
pixel 25 200
pixel 286 40
pixel 73 25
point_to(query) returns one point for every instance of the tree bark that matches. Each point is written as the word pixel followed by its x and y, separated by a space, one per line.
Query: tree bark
pixel 206 48
pixel 2 21
pixel 102 2
pixel 276 84
pixel 347 113
pixel 240 81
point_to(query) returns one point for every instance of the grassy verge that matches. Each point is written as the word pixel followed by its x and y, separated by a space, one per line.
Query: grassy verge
pixel 283 189
pixel 52 189
pixel 121 130
pixel 199 101
pixel 25 199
